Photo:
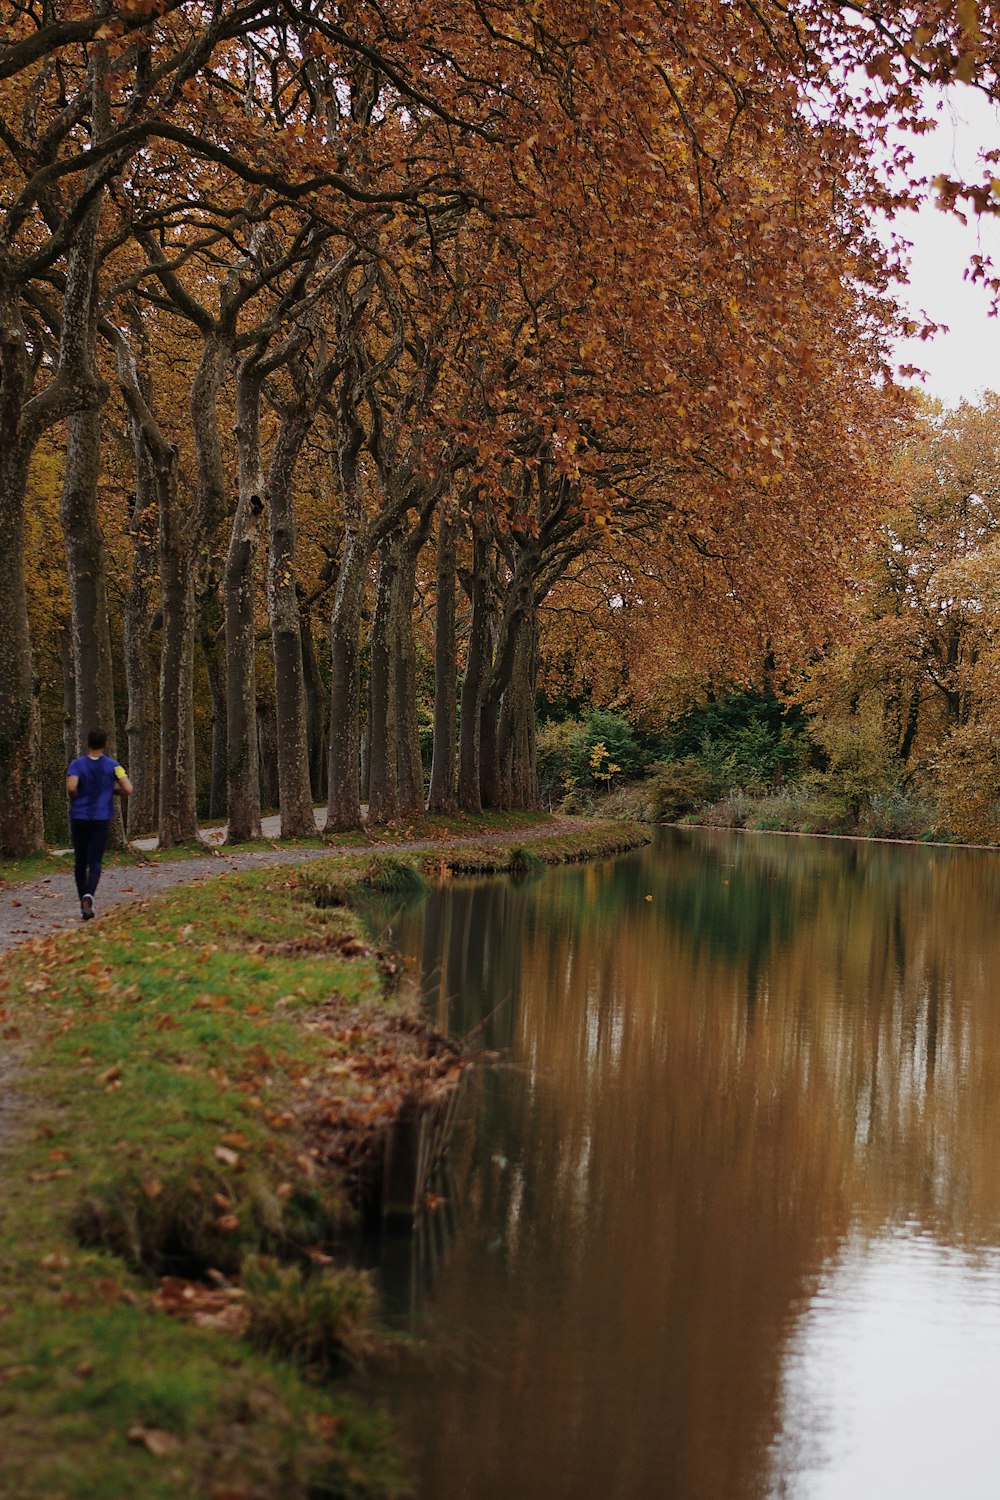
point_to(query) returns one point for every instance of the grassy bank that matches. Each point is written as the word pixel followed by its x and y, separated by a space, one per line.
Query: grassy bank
pixel 198 1082
pixel 795 809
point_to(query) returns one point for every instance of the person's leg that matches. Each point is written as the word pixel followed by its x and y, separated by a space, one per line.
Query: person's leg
pixel 80 833
pixel 95 853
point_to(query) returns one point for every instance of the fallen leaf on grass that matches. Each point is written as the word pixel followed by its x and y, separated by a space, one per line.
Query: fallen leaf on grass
pixel 324 1424
pixel 317 1256
pixel 222 1308
pixel 158 1442
pixel 228 1158
pixel 109 1075
pixel 236 1139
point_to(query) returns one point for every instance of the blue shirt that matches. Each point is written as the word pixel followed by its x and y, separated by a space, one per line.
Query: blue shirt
pixel 95 792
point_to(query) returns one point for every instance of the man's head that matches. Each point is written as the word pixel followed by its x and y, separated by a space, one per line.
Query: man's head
pixel 96 739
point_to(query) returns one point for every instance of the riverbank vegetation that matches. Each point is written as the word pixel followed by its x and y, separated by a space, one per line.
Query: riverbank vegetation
pixel 201 1084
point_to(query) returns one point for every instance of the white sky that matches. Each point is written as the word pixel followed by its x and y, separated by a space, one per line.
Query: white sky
pixel 965 361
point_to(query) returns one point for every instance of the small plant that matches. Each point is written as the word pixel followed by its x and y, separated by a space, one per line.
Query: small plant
pixel 321 1319
pixel 602 767
pixel 524 862
pixel 393 877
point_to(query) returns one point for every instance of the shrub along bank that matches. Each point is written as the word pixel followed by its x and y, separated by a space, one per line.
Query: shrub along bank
pixel 198 1083
pixel 750 760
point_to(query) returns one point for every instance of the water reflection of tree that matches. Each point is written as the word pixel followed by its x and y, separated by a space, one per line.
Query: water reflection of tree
pixel 715 1085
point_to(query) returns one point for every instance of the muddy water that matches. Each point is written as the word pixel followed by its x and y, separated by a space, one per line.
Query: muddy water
pixel 726 1221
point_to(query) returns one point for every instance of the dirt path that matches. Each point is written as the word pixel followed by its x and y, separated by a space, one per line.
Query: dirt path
pixel 38 906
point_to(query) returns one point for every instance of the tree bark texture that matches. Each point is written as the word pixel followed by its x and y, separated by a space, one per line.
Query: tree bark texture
pixel 516 728
pixel 344 795
pixel 86 574
pixel 316 711
pixel 442 797
pixel 211 633
pixel 474 680
pixel 69 692
pixel 409 763
pixel 383 782
pixel 268 755
pixel 21 829
pixel 242 758
pixel 140 727
pixel 178 814
pixel 295 791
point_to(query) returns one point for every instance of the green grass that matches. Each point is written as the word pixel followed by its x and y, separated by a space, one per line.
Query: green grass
pixel 174 1065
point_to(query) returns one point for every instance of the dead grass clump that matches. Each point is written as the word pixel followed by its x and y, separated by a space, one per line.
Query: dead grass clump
pixel 321 1319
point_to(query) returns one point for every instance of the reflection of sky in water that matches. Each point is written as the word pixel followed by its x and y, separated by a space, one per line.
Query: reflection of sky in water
pixel 891 1383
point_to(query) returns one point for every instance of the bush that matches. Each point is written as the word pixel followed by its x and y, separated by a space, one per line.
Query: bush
pixel 679 787
pixel 324 1320
pixel 859 764
pixel 967 781
pixel 747 739
pixel 621 748
pixel 558 752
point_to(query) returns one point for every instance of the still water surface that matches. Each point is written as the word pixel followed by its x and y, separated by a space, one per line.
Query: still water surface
pixel 726 1222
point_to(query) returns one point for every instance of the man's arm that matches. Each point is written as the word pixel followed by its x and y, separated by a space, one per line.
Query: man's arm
pixel 72 785
pixel 122 784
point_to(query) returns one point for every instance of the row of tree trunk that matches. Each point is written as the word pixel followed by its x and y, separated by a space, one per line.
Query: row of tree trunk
pixel 317 741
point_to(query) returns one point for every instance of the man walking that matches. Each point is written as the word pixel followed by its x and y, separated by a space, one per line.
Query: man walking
pixel 92 781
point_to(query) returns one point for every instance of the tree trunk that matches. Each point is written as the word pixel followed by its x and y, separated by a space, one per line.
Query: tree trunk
pixel 442 797
pixel 178 819
pixel 211 631
pixel 69 692
pixel 294 790
pixel 474 680
pixel 267 755
pixel 912 721
pixel 141 723
pixel 242 759
pixel 87 580
pixel 383 783
pixel 344 799
pixel 516 734
pixel 21 829
pixel 178 815
pixel 343 809
pixel 409 763
pixel 316 711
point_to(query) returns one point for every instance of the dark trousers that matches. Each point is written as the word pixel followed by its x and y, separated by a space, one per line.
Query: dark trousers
pixel 89 838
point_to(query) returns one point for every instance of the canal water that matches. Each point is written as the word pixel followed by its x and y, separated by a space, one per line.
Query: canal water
pixel 723 1220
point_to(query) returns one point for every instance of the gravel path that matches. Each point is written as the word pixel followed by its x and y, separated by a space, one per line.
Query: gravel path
pixel 35 907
